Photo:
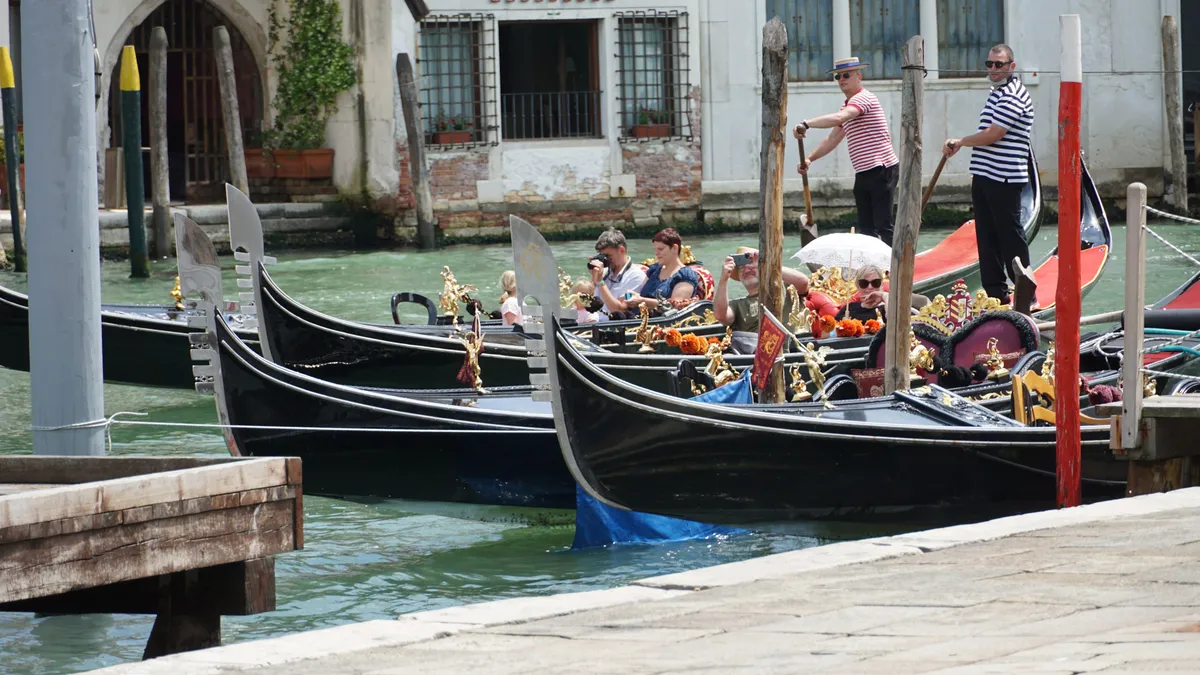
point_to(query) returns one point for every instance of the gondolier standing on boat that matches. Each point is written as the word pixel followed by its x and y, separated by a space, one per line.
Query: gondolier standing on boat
pixel 864 126
pixel 999 172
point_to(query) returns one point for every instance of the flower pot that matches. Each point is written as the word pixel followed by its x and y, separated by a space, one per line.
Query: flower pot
pixel 314 163
pixel 451 137
pixel 259 163
pixel 651 130
pixel 4 177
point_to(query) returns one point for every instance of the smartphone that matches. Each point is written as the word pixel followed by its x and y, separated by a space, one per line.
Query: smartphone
pixel 741 259
pixel 628 295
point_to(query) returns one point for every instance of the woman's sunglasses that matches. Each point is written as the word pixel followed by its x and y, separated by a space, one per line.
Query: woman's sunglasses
pixel 876 283
pixel 841 76
pixel 996 64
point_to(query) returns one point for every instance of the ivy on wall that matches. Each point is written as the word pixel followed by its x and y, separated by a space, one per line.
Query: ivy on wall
pixel 314 66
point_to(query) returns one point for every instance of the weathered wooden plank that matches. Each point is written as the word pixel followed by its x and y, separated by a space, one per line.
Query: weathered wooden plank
pixel 125 493
pixel 231 589
pixel 54 528
pixel 71 562
pixel 295 478
pixel 14 488
pixel 1147 477
pixel 1180 405
pixel 74 470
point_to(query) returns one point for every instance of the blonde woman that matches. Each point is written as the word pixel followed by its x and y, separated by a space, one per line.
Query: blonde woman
pixel 510 305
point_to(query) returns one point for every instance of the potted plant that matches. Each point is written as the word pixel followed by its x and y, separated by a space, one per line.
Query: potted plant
pixel 4 161
pixel 448 130
pixel 652 123
pixel 314 66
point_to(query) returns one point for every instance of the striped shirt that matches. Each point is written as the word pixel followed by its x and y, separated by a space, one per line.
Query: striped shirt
pixel 867 135
pixel 1006 160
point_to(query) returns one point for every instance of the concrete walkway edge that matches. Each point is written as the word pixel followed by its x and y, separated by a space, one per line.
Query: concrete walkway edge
pixel 435 624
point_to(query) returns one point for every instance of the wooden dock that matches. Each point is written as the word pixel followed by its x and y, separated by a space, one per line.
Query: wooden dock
pixel 188 539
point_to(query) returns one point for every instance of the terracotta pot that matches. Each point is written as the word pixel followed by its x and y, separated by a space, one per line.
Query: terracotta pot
pixel 259 163
pixel 451 137
pixel 315 163
pixel 651 130
pixel 4 177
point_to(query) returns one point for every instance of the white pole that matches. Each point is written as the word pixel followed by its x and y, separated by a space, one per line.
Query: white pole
pixel 65 363
pixel 1135 299
pixel 929 33
pixel 841 30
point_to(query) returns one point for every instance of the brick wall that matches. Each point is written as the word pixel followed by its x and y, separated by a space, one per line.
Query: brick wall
pixel 452 176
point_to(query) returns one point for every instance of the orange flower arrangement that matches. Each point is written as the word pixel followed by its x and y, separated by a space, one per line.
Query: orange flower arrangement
pixel 693 344
pixel 849 328
pixel 714 340
pixel 828 323
pixel 673 337
pixel 872 326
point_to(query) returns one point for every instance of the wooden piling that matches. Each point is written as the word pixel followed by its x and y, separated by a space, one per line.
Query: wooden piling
pixel 1067 295
pixel 12 150
pixel 908 218
pixel 135 186
pixel 1135 319
pixel 160 181
pixel 416 151
pixel 770 237
pixel 1175 183
pixel 230 114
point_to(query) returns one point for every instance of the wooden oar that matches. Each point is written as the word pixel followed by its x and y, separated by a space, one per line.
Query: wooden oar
pixel 808 228
pixel 932 182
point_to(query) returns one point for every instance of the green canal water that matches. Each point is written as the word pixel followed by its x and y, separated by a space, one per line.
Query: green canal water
pixel 376 560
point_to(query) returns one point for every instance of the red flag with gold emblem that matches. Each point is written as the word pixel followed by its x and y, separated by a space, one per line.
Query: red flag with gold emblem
pixel 772 338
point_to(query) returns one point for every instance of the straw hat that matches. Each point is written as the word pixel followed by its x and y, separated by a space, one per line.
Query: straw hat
pixel 842 65
pixel 736 274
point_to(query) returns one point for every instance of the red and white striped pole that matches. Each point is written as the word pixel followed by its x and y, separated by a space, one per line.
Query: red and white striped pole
pixel 1067 297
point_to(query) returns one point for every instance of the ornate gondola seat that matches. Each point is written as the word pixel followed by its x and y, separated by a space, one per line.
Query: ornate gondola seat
pixel 416 299
pixel 1033 401
pixel 841 387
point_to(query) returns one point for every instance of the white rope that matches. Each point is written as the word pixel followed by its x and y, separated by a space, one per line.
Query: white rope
pixel 1171 246
pixel 1172 216
pixel 1177 376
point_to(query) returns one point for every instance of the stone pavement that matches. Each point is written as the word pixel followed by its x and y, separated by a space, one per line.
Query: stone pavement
pixel 1107 588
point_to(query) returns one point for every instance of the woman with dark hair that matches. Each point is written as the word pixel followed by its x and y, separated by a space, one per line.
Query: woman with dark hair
pixel 668 281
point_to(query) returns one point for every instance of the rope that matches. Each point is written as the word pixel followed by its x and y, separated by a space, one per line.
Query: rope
pixel 1172 216
pixel 1169 245
pixel 93 424
pixel 1177 376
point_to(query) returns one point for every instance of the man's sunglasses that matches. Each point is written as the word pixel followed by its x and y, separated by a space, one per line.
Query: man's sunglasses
pixel 841 76
pixel 876 283
pixel 996 64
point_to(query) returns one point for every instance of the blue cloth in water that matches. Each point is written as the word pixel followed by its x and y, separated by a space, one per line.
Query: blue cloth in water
pixel 598 524
pixel 738 391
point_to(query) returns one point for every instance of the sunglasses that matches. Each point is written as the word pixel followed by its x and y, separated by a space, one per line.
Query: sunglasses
pixel 996 64
pixel 876 283
pixel 841 76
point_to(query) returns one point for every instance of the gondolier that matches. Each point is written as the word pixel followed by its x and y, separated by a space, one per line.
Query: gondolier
pixel 864 126
pixel 999 172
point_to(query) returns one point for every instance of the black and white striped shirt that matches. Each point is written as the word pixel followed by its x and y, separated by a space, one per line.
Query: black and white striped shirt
pixel 1005 160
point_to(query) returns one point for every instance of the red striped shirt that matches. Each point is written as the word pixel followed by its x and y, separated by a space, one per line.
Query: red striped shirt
pixel 867 136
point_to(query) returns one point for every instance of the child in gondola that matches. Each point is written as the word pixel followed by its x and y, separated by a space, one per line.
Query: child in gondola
pixel 583 287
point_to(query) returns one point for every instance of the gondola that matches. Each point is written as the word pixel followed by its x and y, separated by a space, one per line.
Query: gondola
pixel 447 445
pixel 957 255
pixel 637 449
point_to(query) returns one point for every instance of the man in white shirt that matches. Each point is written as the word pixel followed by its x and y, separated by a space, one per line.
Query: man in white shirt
pixel 614 274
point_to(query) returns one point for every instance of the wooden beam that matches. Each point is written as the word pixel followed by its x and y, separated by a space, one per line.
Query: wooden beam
pixel 908 218
pixel 1175 183
pixel 73 470
pixel 160 178
pixel 1135 317
pixel 426 226
pixel 229 109
pixel 770 237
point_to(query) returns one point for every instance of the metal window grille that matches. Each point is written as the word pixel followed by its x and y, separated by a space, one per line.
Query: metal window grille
pixel 878 31
pixel 458 75
pixel 652 69
pixel 966 30
pixel 810 36
pixel 563 114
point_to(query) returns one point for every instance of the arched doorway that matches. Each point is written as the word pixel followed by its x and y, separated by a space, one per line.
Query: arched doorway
pixel 195 130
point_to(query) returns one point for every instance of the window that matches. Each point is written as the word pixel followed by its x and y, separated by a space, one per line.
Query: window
pixel 966 30
pixel 457 74
pixel 810 36
pixel 549 79
pixel 652 69
pixel 878 31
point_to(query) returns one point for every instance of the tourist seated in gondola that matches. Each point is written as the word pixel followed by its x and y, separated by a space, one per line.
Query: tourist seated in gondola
pixel 669 282
pixel 615 276
pixel 584 291
pixel 743 313
pixel 510 305
pixel 870 300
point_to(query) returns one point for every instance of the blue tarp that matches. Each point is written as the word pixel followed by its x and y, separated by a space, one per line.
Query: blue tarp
pixel 597 524
pixel 738 391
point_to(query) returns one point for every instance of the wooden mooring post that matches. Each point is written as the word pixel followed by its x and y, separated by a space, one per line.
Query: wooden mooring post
pixel 188 539
pixel 1156 434
pixel 1175 188
pixel 230 115
pixel 770 233
pixel 908 218
pixel 13 153
pixel 135 185
pixel 160 178
pixel 426 232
